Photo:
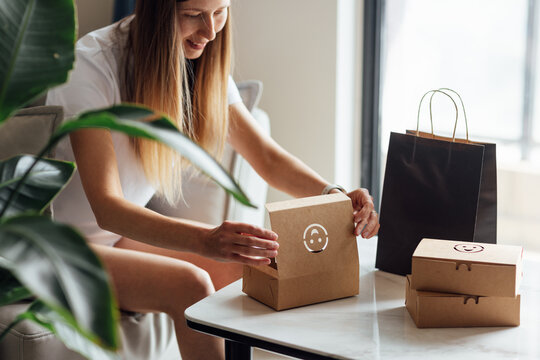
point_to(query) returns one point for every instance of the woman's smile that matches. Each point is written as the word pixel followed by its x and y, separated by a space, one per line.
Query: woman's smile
pixel 196 45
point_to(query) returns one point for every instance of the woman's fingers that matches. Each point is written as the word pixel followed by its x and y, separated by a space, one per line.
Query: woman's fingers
pixel 249 261
pixel 244 243
pixel 252 241
pixel 251 248
pixel 243 228
pixel 360 224
pixel 253 251
pixel 372 226
pixel 364 215
pixel 368 226
pixel 361 199
pixel 375 231
pixel 363 218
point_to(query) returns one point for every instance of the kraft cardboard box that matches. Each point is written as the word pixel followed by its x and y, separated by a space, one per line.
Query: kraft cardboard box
pixel 317 257
pixel 467 268
pixel 434 309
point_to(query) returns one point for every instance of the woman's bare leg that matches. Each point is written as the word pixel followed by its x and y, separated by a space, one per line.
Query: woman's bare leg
pixel 150 283
pixel 222 273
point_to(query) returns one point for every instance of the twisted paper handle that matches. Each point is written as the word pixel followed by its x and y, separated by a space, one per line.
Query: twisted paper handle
pixel 443 91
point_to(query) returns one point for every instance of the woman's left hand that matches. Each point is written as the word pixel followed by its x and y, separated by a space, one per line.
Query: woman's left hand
pixel 365 216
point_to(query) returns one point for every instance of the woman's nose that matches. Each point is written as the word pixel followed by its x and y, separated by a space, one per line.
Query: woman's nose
pixel 208 29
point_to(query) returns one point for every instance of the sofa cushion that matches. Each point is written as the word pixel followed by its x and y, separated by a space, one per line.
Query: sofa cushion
pixel 28 340
pixel 143 336
pixel 28 131
pixel 251 92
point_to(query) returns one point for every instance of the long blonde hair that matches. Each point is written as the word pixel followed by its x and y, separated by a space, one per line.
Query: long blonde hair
pixel 155 75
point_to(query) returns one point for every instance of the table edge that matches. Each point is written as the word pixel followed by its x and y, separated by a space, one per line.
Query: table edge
pixel 262 344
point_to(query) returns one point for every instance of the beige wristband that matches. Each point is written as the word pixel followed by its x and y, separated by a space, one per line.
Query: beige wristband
pixel 331 187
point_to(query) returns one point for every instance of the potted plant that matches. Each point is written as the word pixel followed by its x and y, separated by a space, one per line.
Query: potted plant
pixel 40 258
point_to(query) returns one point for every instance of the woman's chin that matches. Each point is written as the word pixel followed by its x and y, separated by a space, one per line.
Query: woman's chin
pixel 192 55
pixel 189 57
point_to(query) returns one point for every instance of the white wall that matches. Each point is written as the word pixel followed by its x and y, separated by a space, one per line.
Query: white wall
pixel 93 14
pixel 290 46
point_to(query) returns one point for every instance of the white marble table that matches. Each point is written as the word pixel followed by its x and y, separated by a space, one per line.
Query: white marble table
pixel 372 325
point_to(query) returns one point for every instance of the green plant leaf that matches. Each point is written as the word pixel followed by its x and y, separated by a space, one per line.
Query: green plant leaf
pixel 37 40
pixel 11 290
pixel 54 262
pixel 129 119
pixel 46 180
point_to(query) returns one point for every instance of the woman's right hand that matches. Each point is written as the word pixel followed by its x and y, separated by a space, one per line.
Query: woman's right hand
pixel 240 242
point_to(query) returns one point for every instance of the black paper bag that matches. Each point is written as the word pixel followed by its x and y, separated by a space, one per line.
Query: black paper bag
pixel 437 188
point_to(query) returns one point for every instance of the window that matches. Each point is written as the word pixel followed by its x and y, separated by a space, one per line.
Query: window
pixel 485 50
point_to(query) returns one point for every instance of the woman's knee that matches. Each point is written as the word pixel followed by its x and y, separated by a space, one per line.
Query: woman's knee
pixel 190 285
pixel 201 283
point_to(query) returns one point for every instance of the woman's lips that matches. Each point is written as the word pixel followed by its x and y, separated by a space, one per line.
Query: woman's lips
pixel 196 46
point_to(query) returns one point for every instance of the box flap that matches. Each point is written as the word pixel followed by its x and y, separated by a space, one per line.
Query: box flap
pixel 468 252
pixel 260 286
pixel 265 269
pixel 306 202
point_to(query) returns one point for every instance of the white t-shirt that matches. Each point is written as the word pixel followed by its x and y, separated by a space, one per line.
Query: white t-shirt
pixel 94 84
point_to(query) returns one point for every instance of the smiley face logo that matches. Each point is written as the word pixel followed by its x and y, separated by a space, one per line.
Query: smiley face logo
pixel 468 248
pixel 315 238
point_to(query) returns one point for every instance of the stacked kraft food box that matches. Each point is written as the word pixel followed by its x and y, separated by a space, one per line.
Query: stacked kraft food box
pixel 464 284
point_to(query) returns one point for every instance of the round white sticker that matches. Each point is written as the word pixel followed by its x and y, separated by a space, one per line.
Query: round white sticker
pixel 315 238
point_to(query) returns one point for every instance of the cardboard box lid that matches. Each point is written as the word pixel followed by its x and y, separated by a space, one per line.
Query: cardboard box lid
pixel 315 235
pixel 306 202
pixel 469 252
pixel 467 268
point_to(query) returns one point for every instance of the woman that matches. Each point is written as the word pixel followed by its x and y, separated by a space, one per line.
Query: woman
pixel 141 60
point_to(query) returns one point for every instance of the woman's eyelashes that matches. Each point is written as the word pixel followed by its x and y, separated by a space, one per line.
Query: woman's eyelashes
pixel 199 14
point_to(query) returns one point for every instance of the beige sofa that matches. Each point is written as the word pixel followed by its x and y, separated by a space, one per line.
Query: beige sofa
pixel 144 336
